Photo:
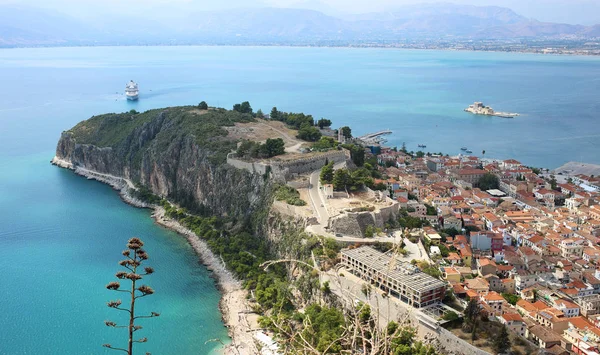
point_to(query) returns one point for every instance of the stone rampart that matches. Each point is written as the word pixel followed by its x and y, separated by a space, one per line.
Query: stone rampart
pixel 253 167
pixel 285 170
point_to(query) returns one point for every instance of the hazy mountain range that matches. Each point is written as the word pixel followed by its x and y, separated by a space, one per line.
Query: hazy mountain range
pixel 25 26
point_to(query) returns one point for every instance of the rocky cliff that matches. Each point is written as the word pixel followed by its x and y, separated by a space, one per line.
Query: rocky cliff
pixel 178 153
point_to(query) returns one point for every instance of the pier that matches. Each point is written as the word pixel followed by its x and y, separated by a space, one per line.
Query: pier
pixel 371 138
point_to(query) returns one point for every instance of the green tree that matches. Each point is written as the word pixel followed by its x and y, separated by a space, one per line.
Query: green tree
pixel 323 122
pixel 357 154
pixel 274 147
pixel 450 316
pixel 420 154
pixel 431 211
pixel 553 183
pixel 325 143
pixel 327 174
pixel 501 342
pixel 244 107
pixel 274 114
pixel 369 231
pixel 309 133
pixel 134 257
pixel 472 313
pixel 341 179
pixel 510 298
pixel 346 132
pixel 489 181
pixel 203 105
pixel 260 114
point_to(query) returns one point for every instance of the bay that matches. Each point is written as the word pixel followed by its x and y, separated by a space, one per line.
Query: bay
pixel 61 235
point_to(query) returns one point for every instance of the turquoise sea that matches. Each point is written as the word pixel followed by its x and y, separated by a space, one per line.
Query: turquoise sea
pixel 61 235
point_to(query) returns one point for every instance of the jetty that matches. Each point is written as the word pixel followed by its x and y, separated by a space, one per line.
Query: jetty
pixel 478 108
pixel 374 138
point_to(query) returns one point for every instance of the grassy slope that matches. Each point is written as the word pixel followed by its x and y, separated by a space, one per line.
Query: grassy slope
pixel 112 130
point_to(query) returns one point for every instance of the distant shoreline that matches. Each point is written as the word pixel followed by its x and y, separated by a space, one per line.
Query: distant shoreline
pixel 374 46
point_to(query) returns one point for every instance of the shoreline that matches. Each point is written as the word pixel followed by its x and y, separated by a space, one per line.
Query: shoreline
pixel 233 304
pixel 350 46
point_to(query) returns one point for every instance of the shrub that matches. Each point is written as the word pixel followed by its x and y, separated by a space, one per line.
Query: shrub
pixel 290 195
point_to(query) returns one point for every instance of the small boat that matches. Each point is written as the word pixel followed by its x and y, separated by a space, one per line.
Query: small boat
pixel 468 151
pixel 464 148
pixel 131 90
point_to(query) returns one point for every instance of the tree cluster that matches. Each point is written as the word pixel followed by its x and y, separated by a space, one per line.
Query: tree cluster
pixel 323 122
pixel 325 143
pixel 357 153
pixel 272 147
pixel 488 181
pixel 290 195
pixel 244 107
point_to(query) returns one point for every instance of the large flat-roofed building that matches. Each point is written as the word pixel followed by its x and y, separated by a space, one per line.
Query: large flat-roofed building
pixel 399 279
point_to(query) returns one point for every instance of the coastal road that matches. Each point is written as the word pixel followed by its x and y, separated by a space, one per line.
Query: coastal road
pixel 317 200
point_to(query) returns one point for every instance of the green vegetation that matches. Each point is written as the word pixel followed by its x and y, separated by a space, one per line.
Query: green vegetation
pixel 176 124
pixel 325 143
pixel 289 195
pixel 510 298
pixel 344 180
pixel 271 148
pixel 244 107
pixel 357 154
pixel 472 314
pixel 294 120
pixel 429 269
pixel 327 173
pixel 444 250
pixel 144 194
pixel 309 133
pixel 553 183
pixel 323 122
pixel 407 221
pixel 501 342
pixel 431 211
pixel 346 132
pixel 488 181
pixel 453 232
pixel 450 316
pixel 203 105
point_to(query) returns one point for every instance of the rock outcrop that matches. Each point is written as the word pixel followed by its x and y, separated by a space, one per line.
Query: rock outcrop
pixel 167 159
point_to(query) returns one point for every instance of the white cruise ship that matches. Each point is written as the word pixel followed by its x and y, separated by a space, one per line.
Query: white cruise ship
pixel 131 90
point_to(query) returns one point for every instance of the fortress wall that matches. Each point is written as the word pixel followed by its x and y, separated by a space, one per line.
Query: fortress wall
pixel 257 168
pixel 306 165
pixel 284 170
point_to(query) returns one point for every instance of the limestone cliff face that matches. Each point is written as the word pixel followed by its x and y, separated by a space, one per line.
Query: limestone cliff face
pixel 170 163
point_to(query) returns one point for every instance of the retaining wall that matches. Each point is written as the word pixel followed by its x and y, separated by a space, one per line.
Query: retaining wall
pixel 285 170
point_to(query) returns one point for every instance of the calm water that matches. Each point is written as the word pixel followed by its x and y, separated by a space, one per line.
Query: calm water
pixel 61 235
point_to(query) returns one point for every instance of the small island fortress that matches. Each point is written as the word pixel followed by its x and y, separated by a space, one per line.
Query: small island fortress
pixel 478 108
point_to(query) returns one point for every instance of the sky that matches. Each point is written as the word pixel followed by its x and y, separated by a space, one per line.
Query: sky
pixel 585 12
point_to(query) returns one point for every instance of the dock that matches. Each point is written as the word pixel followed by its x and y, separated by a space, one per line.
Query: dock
pixel 374 138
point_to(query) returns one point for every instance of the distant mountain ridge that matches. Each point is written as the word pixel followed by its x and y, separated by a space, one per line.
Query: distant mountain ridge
pixel 22 26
